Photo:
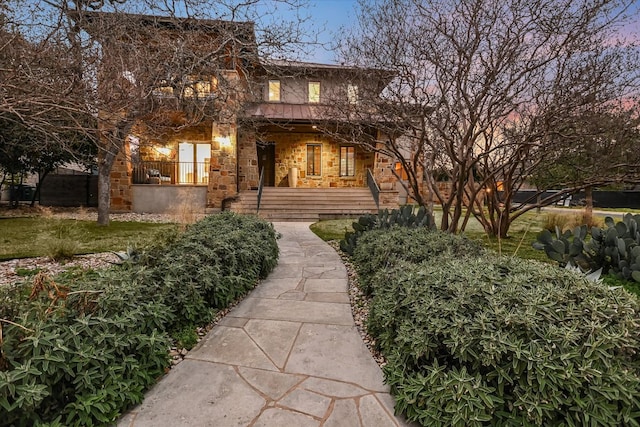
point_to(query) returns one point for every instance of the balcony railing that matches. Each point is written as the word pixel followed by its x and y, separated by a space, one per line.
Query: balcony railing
pixel 165 172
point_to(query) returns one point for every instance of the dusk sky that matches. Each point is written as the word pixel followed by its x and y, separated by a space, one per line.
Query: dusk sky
pixel 334 14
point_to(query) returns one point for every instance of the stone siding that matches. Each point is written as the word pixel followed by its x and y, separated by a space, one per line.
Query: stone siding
pixel 291 151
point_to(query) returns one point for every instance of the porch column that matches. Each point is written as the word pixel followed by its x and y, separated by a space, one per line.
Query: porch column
pixel 223 166
pixel 383 174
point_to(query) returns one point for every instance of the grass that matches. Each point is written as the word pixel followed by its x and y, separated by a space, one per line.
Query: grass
pixel 40 236
pixel 522 233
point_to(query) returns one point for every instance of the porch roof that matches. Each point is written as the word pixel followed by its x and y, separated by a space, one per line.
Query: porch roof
pixel 289 112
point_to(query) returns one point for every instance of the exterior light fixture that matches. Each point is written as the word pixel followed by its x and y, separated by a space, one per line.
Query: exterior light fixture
pixel 224 141
pixel 165 151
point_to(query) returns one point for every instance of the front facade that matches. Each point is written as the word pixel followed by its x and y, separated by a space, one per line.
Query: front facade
pixel 285 134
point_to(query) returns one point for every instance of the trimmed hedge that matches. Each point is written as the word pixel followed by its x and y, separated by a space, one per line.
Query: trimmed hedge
pixel 482 340
pixel 85 348
pixel 379 250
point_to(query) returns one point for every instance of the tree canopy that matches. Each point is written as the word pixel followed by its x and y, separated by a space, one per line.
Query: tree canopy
pixel 484 90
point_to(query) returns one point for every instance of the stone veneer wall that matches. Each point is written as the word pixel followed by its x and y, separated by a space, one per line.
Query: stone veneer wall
pixel 248 173
pixel 121 196
pixel 291 151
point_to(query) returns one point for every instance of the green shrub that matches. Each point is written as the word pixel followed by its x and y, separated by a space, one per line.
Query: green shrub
pixel 501 341
pixel 187 337
pixel 405 217
pixel 379 250
pixel 79 350
pixel 213 263
pixel 78 361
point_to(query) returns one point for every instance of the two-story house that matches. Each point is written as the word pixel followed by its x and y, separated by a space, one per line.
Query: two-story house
pixel 274 127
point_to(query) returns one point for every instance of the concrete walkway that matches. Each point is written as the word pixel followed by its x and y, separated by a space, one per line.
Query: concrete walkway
pixel 288 355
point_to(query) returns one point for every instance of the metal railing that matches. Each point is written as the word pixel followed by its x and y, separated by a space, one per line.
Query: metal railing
pixel 373 187
pixel 260 187
pixel 167 172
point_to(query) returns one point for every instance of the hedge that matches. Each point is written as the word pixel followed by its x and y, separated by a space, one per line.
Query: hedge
pixel 483 340
pixel 379 250
pixel 82 349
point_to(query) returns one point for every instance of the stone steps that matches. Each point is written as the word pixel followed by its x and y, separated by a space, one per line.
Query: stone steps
pixel 306 204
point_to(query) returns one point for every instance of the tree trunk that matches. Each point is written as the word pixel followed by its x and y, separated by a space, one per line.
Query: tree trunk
pixel 36 194
pixel 104 189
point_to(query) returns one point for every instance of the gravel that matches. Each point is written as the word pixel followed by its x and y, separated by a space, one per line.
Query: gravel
pixel 16 269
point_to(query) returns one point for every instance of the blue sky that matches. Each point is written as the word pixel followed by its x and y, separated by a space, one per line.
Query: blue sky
pixel 330 15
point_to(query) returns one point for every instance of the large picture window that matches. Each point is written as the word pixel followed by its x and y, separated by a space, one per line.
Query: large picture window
pixel 193 163
pixel 314 160
pixel 347 161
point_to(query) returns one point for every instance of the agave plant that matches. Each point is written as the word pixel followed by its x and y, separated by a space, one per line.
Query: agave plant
pixel 613 249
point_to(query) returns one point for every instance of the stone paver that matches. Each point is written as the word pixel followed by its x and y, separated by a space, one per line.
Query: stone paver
pixel 288 355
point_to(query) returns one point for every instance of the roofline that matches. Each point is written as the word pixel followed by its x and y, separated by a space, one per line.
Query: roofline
pixel 158 20
pixel 285 63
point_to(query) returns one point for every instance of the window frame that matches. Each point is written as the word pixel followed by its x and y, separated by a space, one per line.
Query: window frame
pixel 198 170
pixel 311 166
pixel 352 93
pixel 316 92
pixel 347 148
pixel 275 98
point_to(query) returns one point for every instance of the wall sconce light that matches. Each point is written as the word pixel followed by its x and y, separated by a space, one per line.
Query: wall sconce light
pixel 165 151
pixel 224 141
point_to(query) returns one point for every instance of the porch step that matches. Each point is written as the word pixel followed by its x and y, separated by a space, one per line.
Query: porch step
pixel 306 204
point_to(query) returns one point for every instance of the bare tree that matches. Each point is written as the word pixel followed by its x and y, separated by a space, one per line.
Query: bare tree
pixel 161 66
pixel 483 90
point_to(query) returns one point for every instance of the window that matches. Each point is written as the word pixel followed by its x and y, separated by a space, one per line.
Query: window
pixel 352 94
pixel 193 163
pixel 314 159
pixel 274 90
pixel 314 92
pixel 163 91
pixel 347 161
pixel 197 87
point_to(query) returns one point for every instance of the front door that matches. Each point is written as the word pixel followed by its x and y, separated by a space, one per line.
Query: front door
pixel 267 162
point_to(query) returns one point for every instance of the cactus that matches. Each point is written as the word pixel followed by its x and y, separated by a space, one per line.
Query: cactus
pixel 615 249
pixel 402 217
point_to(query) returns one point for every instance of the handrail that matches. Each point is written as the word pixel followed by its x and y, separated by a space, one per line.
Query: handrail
pixel 260 187
pixel 373 187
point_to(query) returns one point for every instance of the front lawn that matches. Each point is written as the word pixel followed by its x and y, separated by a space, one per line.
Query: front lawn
pixel 38 236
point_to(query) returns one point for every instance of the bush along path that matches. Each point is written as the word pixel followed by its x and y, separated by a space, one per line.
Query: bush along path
pixel 79 350
pixel 287 355
pixel 473 339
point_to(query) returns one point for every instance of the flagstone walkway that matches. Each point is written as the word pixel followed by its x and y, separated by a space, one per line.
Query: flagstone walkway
pixel 288 355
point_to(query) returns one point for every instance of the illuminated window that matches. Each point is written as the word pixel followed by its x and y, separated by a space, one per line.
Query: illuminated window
pixel 314 92
pixel 163 91
pixel 197 87
pixel 352 94
pixel 314 160
pixel 347 161
pixel 193 163
pixel 274 90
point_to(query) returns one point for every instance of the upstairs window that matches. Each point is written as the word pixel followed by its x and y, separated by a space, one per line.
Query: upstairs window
pixel 274 91
pixel 314 92
pixel 198 87
pixel 352 94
